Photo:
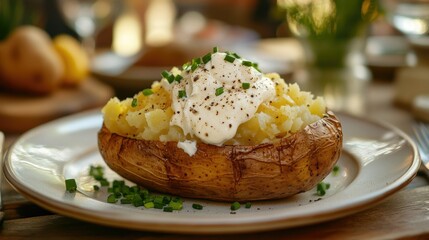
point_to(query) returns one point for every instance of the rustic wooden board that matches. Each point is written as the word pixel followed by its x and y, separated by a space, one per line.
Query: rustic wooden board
pixel 19 113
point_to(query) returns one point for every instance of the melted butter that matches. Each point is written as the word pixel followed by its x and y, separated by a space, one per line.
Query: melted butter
pixel 215 119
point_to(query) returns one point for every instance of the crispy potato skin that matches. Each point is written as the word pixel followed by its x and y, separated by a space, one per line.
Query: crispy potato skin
pixel 228 173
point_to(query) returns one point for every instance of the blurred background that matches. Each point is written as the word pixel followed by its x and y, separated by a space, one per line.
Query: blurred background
pixel 111 48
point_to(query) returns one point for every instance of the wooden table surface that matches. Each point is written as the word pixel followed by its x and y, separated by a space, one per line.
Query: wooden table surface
pixel 404 215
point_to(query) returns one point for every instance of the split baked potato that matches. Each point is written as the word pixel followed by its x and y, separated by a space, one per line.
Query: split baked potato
pixel 290 144
pixel 233 172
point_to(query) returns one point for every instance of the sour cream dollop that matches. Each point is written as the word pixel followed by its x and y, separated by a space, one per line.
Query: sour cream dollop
pixel 207 113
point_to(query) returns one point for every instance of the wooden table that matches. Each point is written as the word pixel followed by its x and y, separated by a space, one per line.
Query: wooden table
pixel 404 215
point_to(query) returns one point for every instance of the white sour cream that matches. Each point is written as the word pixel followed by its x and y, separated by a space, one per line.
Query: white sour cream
pixel 189 147
pixel 215 119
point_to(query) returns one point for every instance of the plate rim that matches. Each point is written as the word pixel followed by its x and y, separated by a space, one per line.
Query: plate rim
pixel 66 209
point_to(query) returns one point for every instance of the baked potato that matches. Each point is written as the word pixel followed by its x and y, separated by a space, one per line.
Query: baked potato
pixel 229 173
pixel 286 146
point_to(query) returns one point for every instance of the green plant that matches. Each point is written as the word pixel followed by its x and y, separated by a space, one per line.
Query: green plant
pixel 324 19
pixel 13 14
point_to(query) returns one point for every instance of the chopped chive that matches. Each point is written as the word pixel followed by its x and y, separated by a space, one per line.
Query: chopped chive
pixel 182 94
pixel 126 201
pixel 112 198
pixel 207 58
pixel 235 55
pixel 104 182
pixel 248 205
pixel 134 102
pixel 96 187
pixel 335 170
pixel 235 206
pixel 197 206
pixel 168 209
pixel 135 189
pixel 229 58
pixel 219 91
pixel 175 205
pixel 118 183
pixel 256 67
pixel 178 78
pixel 159 199
pixel 215 49
pixel 168 76
pixel 186 66
pixel 194 66
pixel 165 74
pixel 137 203
pixel 158 205
pixel 166 199
pixel 149 205
pixel 247 63
pixel 71 185
pixel 96 172
pixel 322 187
pixel 147 92
pixel 245 85
pixel 197 60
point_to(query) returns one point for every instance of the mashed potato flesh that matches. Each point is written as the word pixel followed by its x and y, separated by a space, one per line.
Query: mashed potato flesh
pixel 289 111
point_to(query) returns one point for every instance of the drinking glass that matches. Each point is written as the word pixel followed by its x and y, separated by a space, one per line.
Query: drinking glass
pixel 411 17
pixel 88 17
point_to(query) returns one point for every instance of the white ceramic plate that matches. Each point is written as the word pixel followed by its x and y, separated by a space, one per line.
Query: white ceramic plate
pixel 377 161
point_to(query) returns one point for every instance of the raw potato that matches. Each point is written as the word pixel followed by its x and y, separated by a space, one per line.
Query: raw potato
pixel 76 61
pixel 29 63
pixel 280 169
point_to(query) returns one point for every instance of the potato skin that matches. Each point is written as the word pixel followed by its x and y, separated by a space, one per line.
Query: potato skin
pixel 229 173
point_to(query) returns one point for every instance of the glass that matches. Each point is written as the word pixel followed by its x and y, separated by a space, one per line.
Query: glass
pixel 88 17
pixel 411 17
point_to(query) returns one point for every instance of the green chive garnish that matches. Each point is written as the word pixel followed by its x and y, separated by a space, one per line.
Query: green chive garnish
pixel 178 78
pixel 148 91
pixel 168 76
pixel 248 205
pixel 235 55
pixel 245 85
pixel 134 102
pixel 229 58
pixel 197 206
pixel 322 187
pixel 165 74
pixel 96 172
pixel 71 185
pixel 175 205
pixel 182 94
pixel 247 63
pixel 207 58
pixel 256 67
pixel 194 66
pixel 104 182
pixel 235 206
pixel 96 187
pixel 215 49
pixel 168 209
pixel 197 60
pixel 149 205
pixel 335 170
pixel 112 198
pixel 186 66
pixel 219 91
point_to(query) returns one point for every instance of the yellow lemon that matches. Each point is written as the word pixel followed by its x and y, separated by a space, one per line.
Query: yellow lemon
pixel 75 59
